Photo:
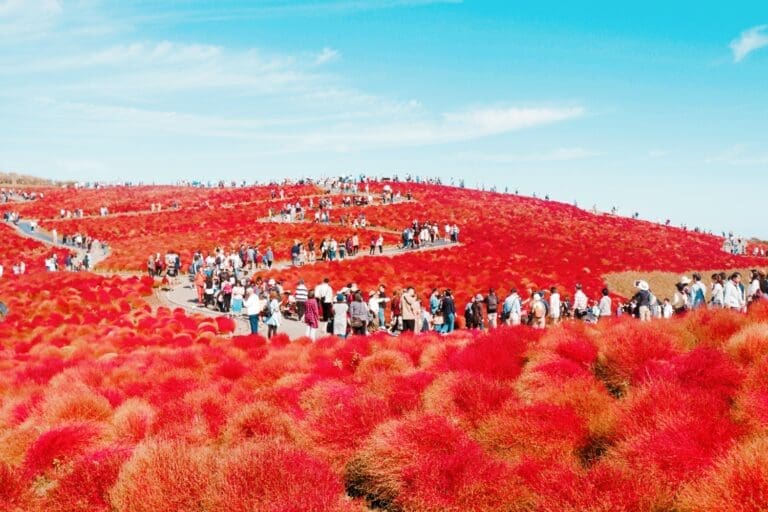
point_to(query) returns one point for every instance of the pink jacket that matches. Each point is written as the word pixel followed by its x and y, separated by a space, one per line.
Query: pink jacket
pixel 312 314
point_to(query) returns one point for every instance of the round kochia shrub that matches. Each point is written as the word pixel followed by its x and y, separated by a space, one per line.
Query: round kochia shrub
pixel 423 463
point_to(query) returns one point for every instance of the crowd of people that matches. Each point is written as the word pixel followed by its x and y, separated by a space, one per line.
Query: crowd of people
pixel 352 311
pixel 8 195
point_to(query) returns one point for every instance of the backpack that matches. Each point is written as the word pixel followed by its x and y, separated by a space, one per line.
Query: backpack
pixel 493 302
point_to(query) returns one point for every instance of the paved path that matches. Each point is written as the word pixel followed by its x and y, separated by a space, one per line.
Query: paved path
pixel 24 228
pixel 183 294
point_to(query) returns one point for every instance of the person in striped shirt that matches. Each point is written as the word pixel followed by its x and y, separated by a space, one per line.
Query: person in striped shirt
pixel 301 295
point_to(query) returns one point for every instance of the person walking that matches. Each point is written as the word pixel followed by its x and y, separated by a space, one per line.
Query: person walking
pixel 733 294
pixel 324 294
pixel 311 314
pixel 358 315
pixel 252 309
pixel 538 312
pixel 448 308
pixel 273 312
pixel 408 309
pixel 554 305
pixel 698 292
pixel 513 308
pixel 301 295
pixel 718 291
pixel 605 305
pixel 492 307
pixel 339 320
pixel 580 303
pixel 643 300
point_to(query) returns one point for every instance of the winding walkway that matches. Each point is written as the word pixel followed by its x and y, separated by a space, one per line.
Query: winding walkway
pixel 24 228
pixel 183 294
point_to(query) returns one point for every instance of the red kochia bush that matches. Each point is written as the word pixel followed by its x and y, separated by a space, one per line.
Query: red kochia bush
pixel 164 476
pixel 424 463
pixel 738 483
pixel 86 486
pixel 57 446
pixel 271 478
pixel 10 488
pixel 499 355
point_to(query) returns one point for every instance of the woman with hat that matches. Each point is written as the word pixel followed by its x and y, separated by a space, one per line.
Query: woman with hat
pixel 643 300
pixel 339 318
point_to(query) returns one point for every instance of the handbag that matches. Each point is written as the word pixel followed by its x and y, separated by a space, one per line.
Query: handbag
pixel 356 322
pixel 438 319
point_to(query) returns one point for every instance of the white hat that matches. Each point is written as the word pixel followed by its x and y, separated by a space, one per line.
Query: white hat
pixel 685 280
pixel 536 296
pixel 271 282
pixel 643 285
pixel 479 298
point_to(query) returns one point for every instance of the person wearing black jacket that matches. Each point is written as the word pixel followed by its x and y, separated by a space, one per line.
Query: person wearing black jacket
pixel 448 308
pixel 643 300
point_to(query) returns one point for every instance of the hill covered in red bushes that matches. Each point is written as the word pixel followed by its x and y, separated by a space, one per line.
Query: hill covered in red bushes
pixel 109 402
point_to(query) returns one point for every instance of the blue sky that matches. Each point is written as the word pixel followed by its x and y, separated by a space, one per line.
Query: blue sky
pixel 656 107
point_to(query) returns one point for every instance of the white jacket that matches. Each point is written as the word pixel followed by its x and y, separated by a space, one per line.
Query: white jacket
pixel 252 304
pixel 733 297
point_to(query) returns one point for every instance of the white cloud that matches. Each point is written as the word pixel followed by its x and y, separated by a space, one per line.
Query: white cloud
pixel 555 155
pixel 27 18
pixel 749 41
pixel 489 121
pixel 327 55
pixel 335 133
pixel 738 155
pixel 214 12
pixel 659 153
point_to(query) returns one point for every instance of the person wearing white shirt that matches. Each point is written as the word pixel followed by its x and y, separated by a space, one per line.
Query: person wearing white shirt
pixel 733 296
pixel 754 285
pixel 253 308
pixel 373 307
pixel 324 294
pixel 605 304
pixel 579 303
pixel 718 292
pixel 554 305
pixel 667 310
